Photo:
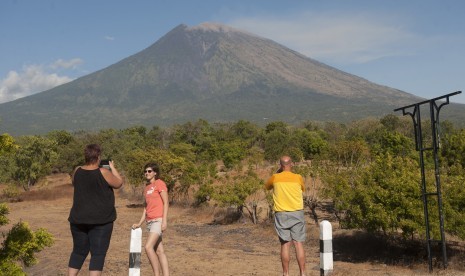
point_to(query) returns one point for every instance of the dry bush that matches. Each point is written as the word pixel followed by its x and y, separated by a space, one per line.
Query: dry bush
pixel 226 216
pixel 11 193
pixel 47 194
pixel 135 194
pixel 204 213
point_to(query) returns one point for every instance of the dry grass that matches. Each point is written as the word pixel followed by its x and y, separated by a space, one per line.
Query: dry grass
pixel 355 252
pixel 48 194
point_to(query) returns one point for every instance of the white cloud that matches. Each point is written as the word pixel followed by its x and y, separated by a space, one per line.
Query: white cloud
pixel 337 37
pixel 107 37
pixel 33 79
pixel 66 64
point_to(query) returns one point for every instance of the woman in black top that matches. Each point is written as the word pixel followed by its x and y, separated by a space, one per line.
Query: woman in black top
pixel 93 212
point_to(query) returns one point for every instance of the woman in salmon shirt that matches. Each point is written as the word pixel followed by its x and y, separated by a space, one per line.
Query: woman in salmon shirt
pixel 155 215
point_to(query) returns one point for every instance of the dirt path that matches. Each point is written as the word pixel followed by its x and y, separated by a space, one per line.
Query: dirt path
pixel 193 245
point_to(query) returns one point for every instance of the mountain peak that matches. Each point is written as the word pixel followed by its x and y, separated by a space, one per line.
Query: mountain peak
pixel 212 27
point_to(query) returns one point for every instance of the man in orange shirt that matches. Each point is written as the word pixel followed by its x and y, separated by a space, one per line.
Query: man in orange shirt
pixel 289 220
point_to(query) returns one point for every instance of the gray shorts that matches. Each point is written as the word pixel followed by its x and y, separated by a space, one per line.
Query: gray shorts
pixel 290 226
pixel 154 226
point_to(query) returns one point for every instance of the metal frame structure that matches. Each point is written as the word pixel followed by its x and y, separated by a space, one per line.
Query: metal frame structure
pixel 434 109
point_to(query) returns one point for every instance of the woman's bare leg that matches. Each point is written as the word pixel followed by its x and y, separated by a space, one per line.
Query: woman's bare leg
pixel 159 249
pixel 151 254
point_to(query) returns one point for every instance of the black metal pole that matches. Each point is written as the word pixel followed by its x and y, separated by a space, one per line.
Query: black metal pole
pixel 423 185
pixel 434 110
pixel 416 117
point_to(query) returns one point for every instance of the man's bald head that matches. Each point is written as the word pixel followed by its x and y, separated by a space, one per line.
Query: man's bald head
pixel 285 162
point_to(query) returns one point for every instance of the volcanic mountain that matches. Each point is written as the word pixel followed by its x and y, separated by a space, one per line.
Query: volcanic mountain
pixel 212 72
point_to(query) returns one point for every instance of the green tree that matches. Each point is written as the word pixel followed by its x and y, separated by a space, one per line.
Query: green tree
pixel 7 144
pixel 201 135
pixel 348 153
pixel 453 148
pixel 255 156
pixel 69 151
pixel 61 137
pixel 361 129
pixel 183 149
pixel 276 144
pixel 392 142
pixel 310 143
pixel 335 131
pixel 205 192
pixel 247 132
pixel 70 156
pixel 454 204
pixel 33 160
pixel 235 192
pixel 277 126
pixel 391 122
pixel 232 152
pixel 157 137
pixel 384 196
pixel 7 148
pixel 312 126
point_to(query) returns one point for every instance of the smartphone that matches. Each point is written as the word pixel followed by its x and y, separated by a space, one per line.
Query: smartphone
pixel 105 163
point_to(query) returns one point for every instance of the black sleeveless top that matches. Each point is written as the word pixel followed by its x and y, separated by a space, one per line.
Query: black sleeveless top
pixel 93 200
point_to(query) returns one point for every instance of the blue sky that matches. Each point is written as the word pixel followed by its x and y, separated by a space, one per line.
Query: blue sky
pixel 417 46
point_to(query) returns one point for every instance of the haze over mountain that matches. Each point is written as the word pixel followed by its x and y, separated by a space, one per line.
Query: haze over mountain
pixel 211 72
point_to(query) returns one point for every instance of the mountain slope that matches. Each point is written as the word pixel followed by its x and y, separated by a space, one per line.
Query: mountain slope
pixel 209 71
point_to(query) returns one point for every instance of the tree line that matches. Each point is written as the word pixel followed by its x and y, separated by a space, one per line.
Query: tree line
pixel 367 170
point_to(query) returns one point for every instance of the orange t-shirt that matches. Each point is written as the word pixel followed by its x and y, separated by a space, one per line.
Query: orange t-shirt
pixel 153 200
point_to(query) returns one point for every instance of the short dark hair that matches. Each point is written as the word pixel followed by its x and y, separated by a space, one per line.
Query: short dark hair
pixel 92 153
pixel 154 166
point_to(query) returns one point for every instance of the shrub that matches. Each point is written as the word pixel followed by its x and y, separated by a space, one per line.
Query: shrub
pixel 11 192
pixel 20 245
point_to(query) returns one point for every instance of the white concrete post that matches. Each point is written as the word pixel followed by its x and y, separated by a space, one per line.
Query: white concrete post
pixel 135 248
pixel 326 248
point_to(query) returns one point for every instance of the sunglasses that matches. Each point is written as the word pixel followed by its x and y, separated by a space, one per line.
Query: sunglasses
pixel 148 171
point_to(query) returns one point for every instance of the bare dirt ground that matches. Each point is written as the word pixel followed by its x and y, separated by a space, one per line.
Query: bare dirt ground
pixel 195 246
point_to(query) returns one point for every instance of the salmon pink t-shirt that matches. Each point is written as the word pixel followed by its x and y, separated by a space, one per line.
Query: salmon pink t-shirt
pixel 153 200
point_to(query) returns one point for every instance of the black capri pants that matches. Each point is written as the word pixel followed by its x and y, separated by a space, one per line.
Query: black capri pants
pixel 93 238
